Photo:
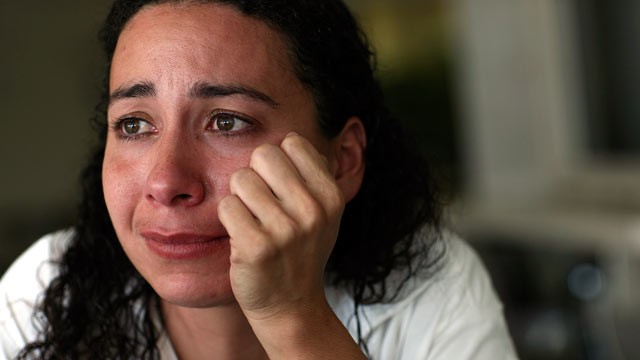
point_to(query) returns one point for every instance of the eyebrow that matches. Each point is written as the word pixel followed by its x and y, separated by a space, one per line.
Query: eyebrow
pixel 203 90
pixel 139 90
pixel 200 90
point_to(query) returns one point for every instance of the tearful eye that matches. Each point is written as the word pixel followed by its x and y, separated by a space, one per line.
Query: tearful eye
pixel 130 127
pixel 226 122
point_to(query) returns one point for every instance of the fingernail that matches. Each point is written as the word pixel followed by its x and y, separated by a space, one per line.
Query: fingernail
pixel 293 133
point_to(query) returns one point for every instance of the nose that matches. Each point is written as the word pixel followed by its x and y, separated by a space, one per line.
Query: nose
pixel 177 176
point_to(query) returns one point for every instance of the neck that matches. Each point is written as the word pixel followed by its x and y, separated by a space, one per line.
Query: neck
pixel 220 332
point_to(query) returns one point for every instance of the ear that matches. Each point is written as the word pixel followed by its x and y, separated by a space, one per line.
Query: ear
pixel 348 150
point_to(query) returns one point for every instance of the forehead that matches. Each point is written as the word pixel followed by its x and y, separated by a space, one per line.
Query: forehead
pixel 200 40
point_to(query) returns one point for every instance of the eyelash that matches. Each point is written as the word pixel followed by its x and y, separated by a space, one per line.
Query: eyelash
pixel 117 126
pixel 250 123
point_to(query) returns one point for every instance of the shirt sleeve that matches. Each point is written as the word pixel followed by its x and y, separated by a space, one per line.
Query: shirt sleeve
pixel 470 323
pixel 453 313
pixel 465 333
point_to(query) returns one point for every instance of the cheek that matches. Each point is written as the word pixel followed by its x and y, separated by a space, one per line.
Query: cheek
pixel 122 184
pixel 219 170
pixel 124 178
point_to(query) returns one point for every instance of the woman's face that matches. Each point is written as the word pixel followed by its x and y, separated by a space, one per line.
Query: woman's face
pixel 194 89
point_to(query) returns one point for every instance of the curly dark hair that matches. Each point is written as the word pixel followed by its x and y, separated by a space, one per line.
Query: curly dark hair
pixel 92 308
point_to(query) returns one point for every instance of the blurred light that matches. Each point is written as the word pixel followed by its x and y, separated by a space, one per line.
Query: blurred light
pixel 548 333
pixel 586 281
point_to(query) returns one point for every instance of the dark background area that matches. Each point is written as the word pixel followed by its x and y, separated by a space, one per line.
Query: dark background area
pixel 50 67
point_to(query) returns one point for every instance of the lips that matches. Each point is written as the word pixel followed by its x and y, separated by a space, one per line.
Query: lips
pixel 184 246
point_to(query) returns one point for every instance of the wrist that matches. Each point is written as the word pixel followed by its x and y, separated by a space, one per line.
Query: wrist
pixel 303 333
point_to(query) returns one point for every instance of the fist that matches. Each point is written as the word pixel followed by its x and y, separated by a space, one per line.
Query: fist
pixel 283 217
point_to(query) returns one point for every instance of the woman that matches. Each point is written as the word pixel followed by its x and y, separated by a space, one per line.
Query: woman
pixel 214 222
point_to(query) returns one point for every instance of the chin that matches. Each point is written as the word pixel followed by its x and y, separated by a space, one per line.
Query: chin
pixel 194 293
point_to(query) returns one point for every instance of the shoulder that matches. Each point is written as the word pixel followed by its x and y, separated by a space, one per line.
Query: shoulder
pixel 22 285
pixel 453 313
pixel 469 321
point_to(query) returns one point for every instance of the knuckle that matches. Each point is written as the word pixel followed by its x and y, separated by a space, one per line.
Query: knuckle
pixel 235 257
pixel 262 251
pixel 291 142
pixel 226 203
pixel 288 228
pixel 262 154
pixel 241 177
pixel 314 209
pixel 315 214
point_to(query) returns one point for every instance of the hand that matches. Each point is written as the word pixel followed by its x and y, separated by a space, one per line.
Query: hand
pixel 282 217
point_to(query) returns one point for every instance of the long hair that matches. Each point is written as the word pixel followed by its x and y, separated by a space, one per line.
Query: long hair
pixel 99 305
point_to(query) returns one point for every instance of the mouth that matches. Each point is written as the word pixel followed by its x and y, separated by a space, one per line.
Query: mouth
pixel 184 246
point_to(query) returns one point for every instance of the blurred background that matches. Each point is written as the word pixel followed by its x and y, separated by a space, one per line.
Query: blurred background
pixel 526 108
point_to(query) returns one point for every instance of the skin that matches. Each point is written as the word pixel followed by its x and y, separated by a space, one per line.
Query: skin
pixel 247 169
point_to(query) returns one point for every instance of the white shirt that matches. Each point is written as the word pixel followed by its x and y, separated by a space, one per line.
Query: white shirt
pixel 454 314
